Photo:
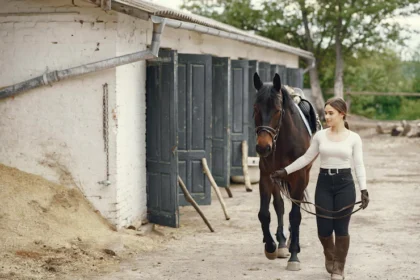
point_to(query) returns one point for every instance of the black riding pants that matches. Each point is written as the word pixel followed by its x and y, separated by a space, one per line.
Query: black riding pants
pixel 333 192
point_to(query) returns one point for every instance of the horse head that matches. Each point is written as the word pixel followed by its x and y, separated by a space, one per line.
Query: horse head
pixel 268 114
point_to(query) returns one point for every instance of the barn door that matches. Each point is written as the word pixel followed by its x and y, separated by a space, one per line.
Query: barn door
pixel 295 77
pixel 194 124
pixel 240 117
pixel 161 140
pixel 254 67
pixel 264 71
pixel 281 70
pixel 221 116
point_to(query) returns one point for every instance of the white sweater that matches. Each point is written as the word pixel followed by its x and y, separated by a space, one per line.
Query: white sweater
pixel 334 155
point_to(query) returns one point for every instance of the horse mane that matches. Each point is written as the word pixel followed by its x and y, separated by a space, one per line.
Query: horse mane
pixel 268 95
pixel 288 103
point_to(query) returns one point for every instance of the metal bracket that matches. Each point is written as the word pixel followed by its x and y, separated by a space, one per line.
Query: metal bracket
pixel 106 183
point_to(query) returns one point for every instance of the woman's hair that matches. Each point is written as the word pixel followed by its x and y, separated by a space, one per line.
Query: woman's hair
pixel 340 105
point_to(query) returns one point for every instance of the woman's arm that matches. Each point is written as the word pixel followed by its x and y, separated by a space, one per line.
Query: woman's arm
pixel 358 163
pixel 307 158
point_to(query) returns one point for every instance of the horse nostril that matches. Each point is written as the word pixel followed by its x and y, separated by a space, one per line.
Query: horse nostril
pixel 263 150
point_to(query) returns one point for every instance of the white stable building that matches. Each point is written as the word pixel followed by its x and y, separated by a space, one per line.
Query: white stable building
pixel 89 131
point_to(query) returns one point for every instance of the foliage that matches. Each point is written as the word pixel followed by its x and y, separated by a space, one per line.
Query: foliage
pixel 364 28
pixel 383 72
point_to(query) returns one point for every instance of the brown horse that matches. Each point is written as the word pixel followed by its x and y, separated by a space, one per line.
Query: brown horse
pixel 281 138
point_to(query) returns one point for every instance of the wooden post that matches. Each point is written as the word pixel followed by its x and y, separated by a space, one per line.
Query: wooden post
pixel 229 192
pixel 191 200
pixel 247 180
pixel 215 187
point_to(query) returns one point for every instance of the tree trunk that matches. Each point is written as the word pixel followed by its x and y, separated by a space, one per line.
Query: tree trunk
pixel 317 92
pixel 339 61
pixel 313 73
pixel 339 70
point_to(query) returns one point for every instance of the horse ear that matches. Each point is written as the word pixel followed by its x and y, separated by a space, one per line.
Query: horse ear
pixel 277 82
pixel 257 82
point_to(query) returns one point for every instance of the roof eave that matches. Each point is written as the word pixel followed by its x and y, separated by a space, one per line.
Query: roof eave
pixel 180 20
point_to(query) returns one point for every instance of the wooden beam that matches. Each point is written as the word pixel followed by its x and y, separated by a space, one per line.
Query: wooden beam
pixel 416 94
pixel 247 180
pixel 215 187
pixel 191 200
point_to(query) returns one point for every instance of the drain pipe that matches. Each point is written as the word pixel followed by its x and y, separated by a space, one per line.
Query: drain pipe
pixel 56 76
pixel 311 63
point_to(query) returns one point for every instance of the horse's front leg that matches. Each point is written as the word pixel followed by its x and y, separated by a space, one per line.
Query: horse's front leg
pixel 295 218
pixel 264 217
pixel 278 204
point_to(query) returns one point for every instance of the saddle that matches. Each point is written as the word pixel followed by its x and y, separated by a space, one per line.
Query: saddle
pixel 306 108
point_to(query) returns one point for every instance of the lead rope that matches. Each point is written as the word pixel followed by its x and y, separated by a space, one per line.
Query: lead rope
pixel 298 202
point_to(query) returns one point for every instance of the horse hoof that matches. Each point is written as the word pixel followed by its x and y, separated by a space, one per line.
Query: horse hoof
pixel 248 190
pixel 336 277
pixel 271 256
pixel 283 253
pixel 293 266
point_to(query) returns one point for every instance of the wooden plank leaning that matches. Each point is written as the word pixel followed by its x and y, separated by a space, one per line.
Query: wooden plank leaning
pixel 215 187
pixel 247 180
pixel 191 200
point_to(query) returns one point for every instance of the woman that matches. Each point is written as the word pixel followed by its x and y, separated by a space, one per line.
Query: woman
pixel 335 189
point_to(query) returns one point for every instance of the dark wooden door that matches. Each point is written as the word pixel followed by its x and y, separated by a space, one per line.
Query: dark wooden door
pixel 240 116
pixel 221 116
pixel 194 124
pixel 161 139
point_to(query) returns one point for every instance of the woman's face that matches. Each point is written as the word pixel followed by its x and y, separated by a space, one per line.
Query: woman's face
pixel 332 116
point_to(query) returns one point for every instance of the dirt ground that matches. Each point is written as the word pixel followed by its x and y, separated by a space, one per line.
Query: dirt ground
pixel 385 238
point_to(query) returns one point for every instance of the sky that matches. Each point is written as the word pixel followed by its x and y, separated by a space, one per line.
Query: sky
pixel 412 22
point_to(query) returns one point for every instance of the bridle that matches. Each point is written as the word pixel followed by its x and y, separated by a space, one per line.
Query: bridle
pixel 274 132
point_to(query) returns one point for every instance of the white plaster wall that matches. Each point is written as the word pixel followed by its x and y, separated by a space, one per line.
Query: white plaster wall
pixel 196 43
pixel 131 108
pixel 56 132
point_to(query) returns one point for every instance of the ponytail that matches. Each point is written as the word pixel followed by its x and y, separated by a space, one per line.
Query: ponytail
pixel 346 124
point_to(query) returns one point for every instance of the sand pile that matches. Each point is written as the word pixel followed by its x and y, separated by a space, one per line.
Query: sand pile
pixel 48 230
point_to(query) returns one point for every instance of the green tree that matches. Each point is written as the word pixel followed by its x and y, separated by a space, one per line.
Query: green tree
pixel 382 71
pixel 330 29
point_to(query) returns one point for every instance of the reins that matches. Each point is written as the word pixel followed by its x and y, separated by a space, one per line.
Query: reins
pixel 298 202
pixel 274 133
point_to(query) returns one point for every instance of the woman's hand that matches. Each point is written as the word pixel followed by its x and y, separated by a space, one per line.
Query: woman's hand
pixel 279 174
pixel 365 199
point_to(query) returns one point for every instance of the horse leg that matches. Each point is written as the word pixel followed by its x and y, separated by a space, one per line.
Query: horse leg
pixel 278 203
pixel 264 217
pixel 295 219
